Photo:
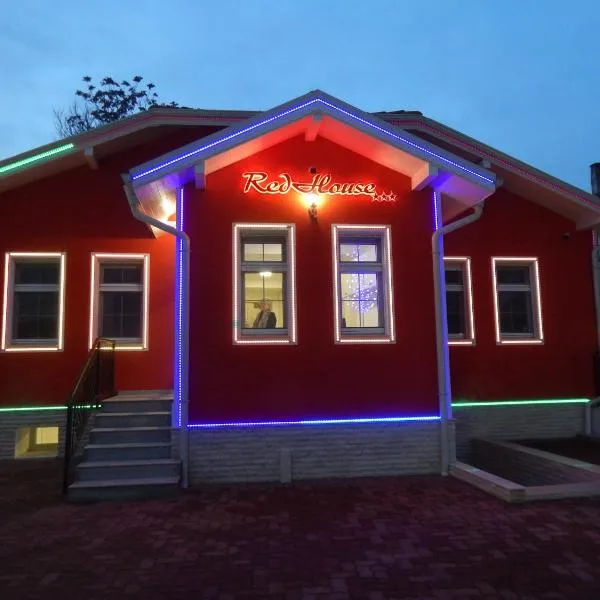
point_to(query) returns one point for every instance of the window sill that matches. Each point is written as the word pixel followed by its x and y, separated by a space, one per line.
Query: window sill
pixel 364 339
pixel 32 347
pixel 517 341
pixel 265 339
pixel 460 342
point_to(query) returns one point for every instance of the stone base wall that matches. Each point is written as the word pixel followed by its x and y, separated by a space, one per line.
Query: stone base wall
pixel 291 453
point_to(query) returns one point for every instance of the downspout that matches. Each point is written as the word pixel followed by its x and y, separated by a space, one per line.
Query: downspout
pixel 184 319
pixel 441 323
pixel 595 181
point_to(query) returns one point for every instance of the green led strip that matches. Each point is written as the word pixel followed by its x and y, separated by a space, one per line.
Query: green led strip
pixel 36 408
pixel 25 161
pixel 520 402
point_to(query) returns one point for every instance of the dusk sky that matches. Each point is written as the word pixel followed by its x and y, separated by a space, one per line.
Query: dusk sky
pixel 519 75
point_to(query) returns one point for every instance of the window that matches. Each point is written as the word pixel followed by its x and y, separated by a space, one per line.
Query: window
pixel 264 302
pixel 37 442
pixel 119 299
pixel 363 302
pixel 459 301
pixel 34 294
pixel 517 303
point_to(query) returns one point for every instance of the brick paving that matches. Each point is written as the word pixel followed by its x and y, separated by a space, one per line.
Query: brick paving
pixel 370 539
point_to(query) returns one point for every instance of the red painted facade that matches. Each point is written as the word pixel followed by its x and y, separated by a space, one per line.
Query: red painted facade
pixel 81 211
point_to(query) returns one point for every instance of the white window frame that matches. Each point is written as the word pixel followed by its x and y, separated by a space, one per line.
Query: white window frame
pixel 537 336
pixel 383 232
pixel 462 263
pixel 287 336
pixel 99 258
pixel 8 343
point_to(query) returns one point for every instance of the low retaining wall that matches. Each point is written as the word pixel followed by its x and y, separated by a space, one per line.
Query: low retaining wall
pixel 528 466
pixel 289 453
pixel 514 422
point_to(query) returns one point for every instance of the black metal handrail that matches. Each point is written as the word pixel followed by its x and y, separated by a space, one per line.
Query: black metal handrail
pixel 95 383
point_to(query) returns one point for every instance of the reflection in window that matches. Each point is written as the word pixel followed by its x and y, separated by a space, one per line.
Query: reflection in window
pixel 264 295
pixel 364 311
pixel 264 300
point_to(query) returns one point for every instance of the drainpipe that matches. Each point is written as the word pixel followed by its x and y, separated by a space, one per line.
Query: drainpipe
pixel 185 242
pixel 441 323
pixel 595 180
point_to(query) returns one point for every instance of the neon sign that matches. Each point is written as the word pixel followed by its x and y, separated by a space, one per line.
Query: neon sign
pixel 320 184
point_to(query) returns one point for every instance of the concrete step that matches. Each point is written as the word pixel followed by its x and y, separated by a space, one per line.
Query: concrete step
pixel 124 489
pixel 137 404
pixel 126 452
pixel 128 469
pixel 129 435
pixel 133 419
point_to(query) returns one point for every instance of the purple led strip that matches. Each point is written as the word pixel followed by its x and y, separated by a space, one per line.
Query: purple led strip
pixel 356 421
pixel 297 108
pixel 436 215
pixel 179 306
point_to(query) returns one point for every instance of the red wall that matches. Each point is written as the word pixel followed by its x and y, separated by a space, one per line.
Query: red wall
pixel 315 378
pixel 562 366
pixel 79 212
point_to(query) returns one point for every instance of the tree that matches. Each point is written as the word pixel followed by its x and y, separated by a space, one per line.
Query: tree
pixel 105 103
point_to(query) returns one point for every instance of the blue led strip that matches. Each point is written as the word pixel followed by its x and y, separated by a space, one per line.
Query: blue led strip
pixel 358 421
pixel 300 107
pixel 436 216
pixel 179 306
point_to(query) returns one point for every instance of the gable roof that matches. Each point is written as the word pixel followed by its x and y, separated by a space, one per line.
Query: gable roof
pixel 317 113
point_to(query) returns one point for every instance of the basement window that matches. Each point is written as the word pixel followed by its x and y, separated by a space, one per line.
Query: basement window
pixel 37 442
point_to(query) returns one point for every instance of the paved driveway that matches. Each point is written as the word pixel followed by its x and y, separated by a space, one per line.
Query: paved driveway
pixel 371 539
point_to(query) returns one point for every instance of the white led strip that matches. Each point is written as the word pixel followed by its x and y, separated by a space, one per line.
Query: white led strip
pixel 390 336
pixel 291 336
pixel 537 300
pixel 469 340
pixel 95 290
pixel 6 343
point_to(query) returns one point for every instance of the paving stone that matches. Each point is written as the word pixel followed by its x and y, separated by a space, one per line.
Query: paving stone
pixel 374 539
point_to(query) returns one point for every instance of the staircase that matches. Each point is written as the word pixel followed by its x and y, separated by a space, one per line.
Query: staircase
pixel 129 451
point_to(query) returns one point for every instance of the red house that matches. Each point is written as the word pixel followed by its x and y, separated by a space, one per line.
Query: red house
pixel 312 286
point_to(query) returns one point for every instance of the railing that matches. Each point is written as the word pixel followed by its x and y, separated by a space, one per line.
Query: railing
pixel 95 383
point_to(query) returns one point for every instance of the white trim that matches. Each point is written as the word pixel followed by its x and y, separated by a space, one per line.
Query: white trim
pixel 469 339
pixel 538 333
pixel 7 344
pixel 289 337
pixel 101 257
pixel 384 232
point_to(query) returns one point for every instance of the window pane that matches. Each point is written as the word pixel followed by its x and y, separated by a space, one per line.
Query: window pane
pixel 253 252
pixel 513 275
pixel 264 300
pixel 360 300
pixel 516 314
pixel 35 316
pixel 36 273
pixel 359 252
pixel 454 277
pixel 121 315
pixel 273 252
pixel 121 273
pixel 455 303
pixel 263 252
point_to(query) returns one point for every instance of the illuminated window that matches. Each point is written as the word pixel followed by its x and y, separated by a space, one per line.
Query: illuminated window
pixel 264 294
pixel 36 442
pixel 459 301
pixel 363 285
pixel 120 299
pixel 518 312
pixel 33 301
